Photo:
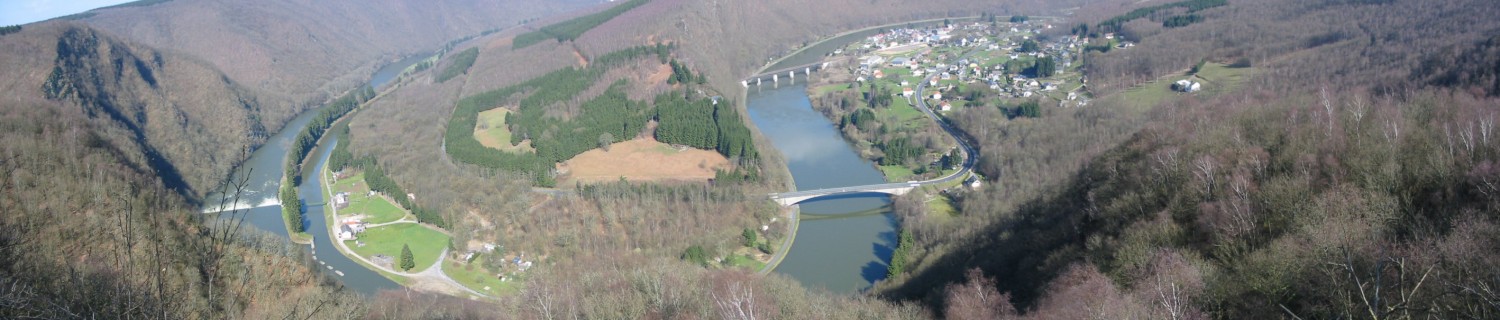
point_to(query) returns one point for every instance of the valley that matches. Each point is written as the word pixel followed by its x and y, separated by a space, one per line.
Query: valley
pixel 1019 159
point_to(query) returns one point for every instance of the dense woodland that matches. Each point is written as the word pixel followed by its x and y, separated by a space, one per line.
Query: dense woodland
pixel 572 28
pixel 559 135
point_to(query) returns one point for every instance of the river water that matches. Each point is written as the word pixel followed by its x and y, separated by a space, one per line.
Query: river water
pixel 264 170
pixel 391 71
pixel 843 243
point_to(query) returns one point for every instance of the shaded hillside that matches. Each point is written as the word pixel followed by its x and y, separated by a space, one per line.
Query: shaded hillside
pixel 1332 173
pixel 86 225
pixel 182 119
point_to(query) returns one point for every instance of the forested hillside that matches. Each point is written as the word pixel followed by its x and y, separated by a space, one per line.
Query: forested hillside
pixel 1334 183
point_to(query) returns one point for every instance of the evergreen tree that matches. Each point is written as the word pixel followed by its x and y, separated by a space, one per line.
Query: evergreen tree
pixel 407 261
pixel 750 238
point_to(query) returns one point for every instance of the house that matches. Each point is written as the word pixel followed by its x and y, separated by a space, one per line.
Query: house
pixel 1049 86
pixel 932 81
pixel 905 83
pixel 341 200
pixel 899 61
pixel 355 225
pixel 937 96
pixel 879 74
pixel 1186 85
pixel 345 233
pixel 945 106
pixel 974 182
pixel 907 92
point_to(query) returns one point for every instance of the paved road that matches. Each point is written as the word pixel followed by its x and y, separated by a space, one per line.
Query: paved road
pixel 921 104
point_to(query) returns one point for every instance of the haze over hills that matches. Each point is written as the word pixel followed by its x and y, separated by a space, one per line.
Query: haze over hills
pixel 1340 167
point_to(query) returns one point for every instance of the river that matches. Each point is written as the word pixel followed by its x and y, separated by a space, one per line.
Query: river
pixel 843 243
pixel 265 168
pixel 390 71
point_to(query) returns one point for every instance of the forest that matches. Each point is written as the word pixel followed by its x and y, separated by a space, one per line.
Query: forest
pixel 459 64
pixel 1318 189
pixel 612 112
pixel 571 29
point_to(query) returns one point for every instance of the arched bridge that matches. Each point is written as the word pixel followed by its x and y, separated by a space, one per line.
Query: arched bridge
pixel 794 197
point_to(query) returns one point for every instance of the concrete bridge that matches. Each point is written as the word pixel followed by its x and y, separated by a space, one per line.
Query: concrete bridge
pixel 789 73
pixel 787 199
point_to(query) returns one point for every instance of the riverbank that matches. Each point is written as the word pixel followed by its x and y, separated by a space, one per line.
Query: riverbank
pixel 793 213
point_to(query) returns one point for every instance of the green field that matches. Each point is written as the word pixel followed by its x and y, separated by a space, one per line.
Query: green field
pixel 1216 78
pixel 825 89
pixel 941 207
pixel 491 131
pixel 896 173
pixel 901 116
pixel 376 209
pixel 425 243
pixel 476 277
pixel 743 261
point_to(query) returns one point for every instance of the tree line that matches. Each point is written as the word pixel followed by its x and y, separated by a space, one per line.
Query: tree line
pixel 459 65
pixel 1114 24
pixel 702 123
pixel 571 29
pixel 375 177
pixel 308 138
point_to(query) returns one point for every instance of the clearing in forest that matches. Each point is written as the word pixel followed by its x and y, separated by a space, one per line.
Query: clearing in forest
pixel 425 243
pixel 642 160
pixel 491 132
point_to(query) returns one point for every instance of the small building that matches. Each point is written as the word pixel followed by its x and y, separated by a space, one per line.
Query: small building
pixel 341 200
pixel 937 96
pixel 879 74
pixel 945 106
pixel 974 182
pixel 345 233
pixel 907 92
pixel 905 83
pixel 899 61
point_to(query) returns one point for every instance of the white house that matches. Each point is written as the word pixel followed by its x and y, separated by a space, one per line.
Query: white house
pixel 907 92
pixel 937 96
pixel 345 233
pixel 974 182
pixel 945 106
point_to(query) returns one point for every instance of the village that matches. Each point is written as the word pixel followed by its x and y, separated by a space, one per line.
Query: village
pixel 996 63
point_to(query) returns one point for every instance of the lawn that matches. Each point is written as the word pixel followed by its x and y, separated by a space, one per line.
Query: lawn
pixel 377 209
pixel 491 132
pixel 425 243
pixel 825 89
pixel 941 207
pixel 743 261
pixel 476 277
pixel 1221 78
pixel 901 116
pixel 1217 79
pixel 896 173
